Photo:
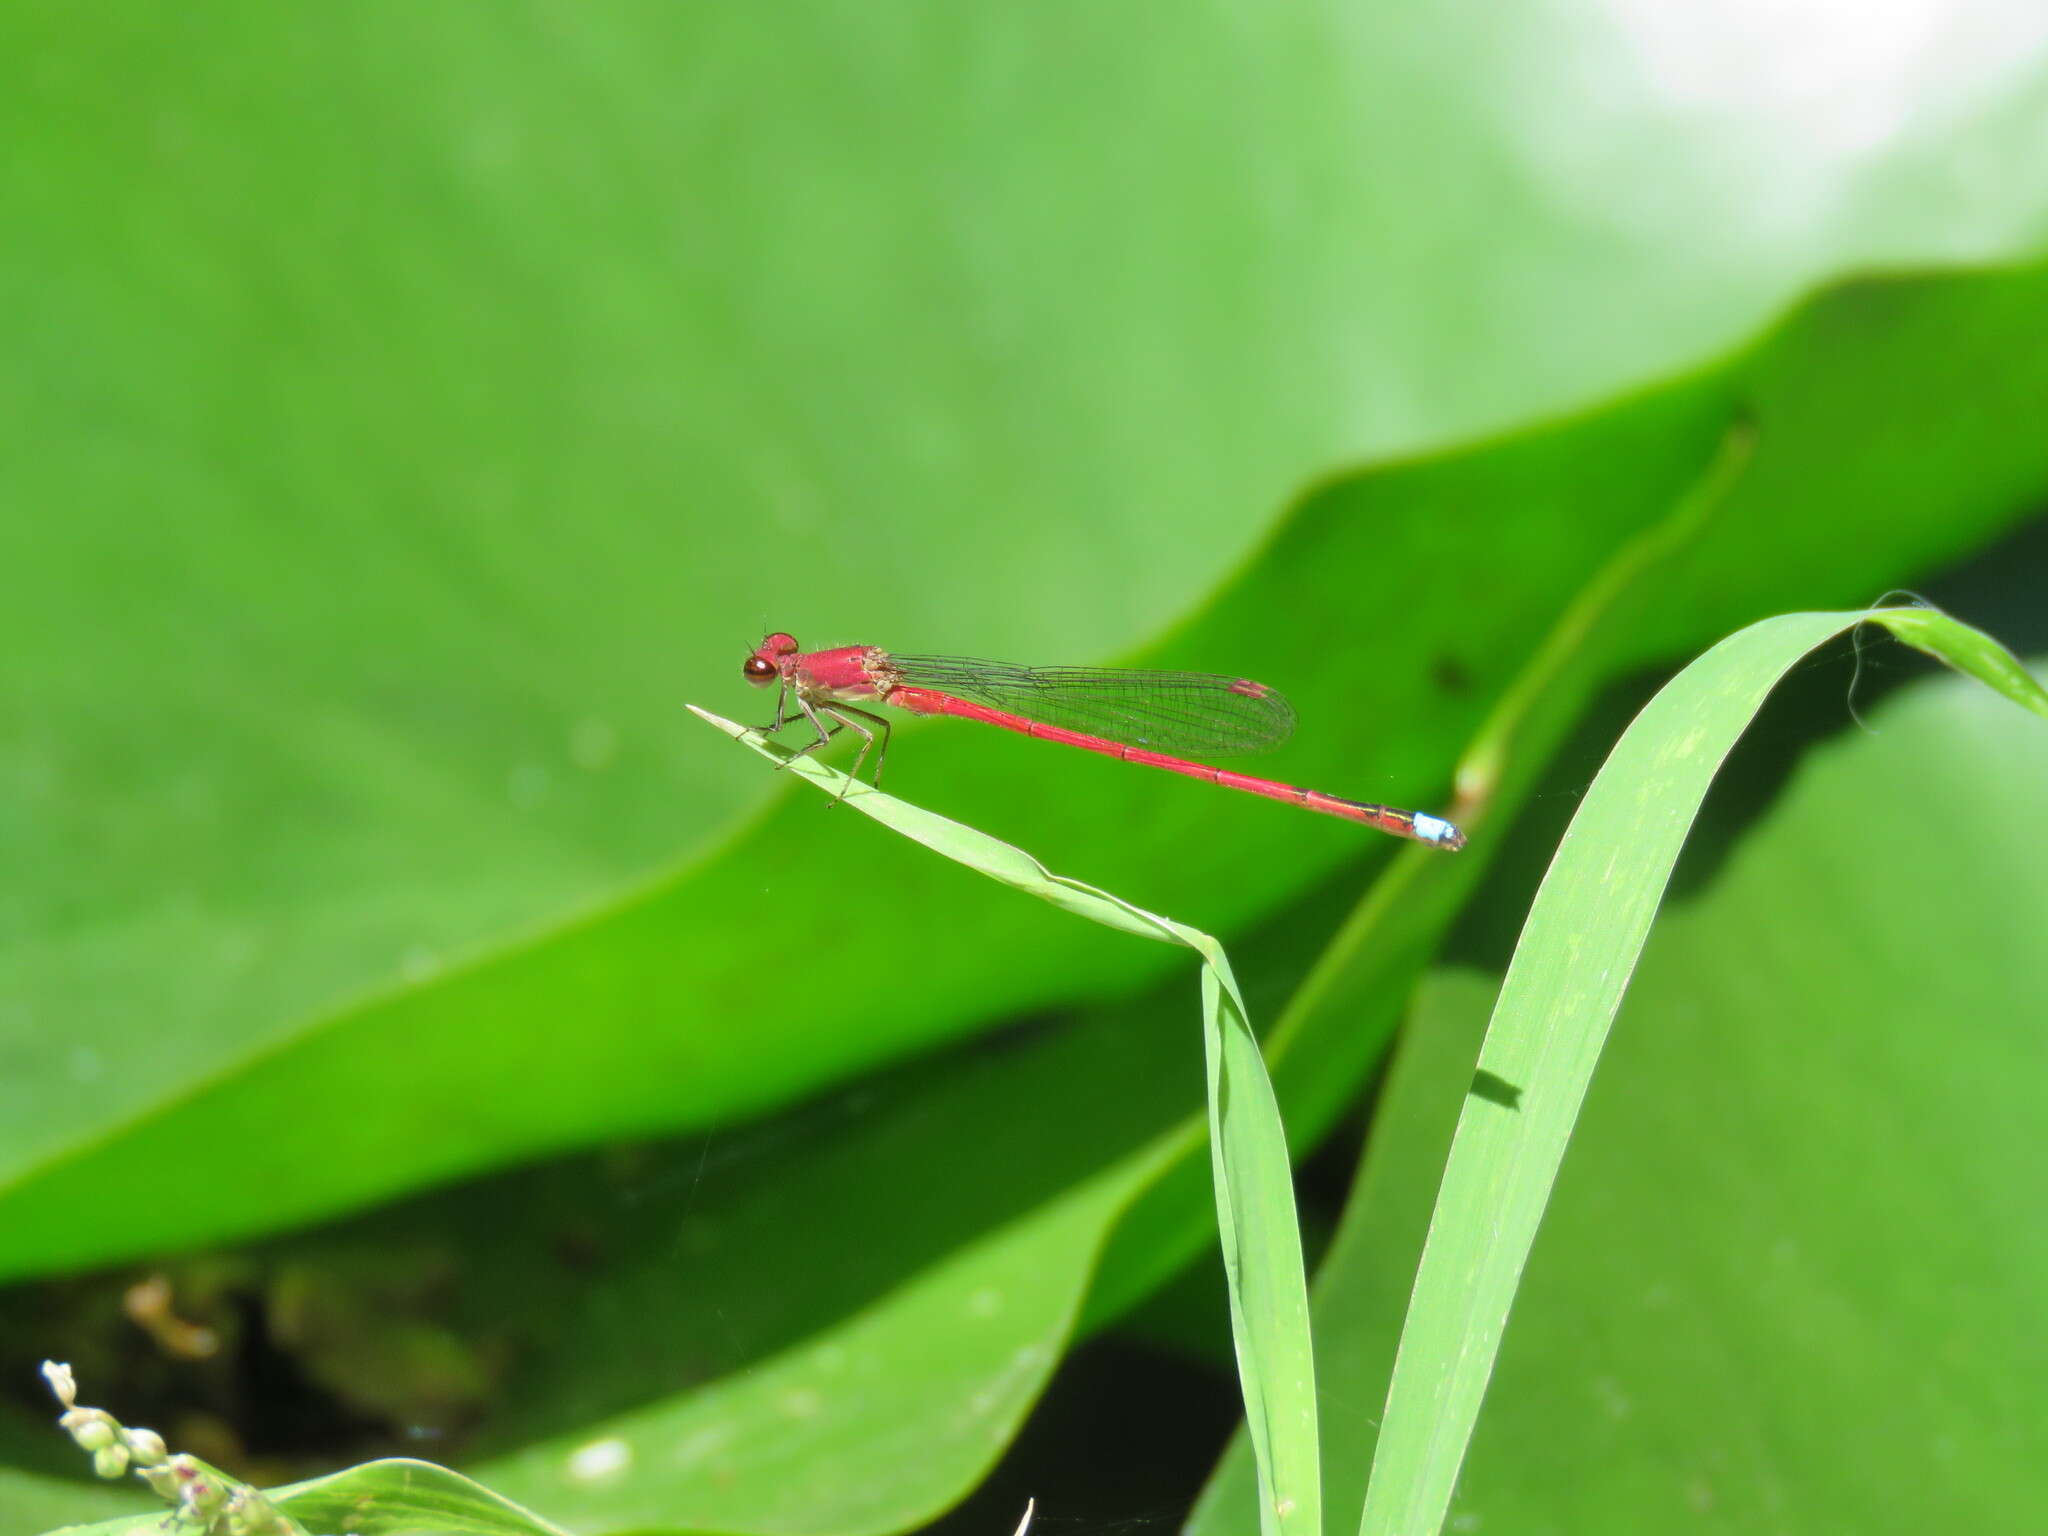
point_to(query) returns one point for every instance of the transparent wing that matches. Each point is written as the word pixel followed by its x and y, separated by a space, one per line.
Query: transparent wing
pixel 1199 714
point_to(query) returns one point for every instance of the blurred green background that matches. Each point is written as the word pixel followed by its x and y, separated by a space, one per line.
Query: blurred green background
pixel 405 409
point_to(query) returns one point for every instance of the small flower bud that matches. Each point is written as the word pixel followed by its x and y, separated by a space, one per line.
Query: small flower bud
pixel 58 1375
pixel 147 1447
pixel 163 1482
pixel 110 1460
pixel 93 1435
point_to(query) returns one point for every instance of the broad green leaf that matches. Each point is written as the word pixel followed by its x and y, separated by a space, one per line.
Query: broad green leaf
pixel 47 1504
pixel 1578 949
pixel 886 1418
pixel 879 1199
pixel 406 401
pixel 656 1356
pixel 962 1220
pixel 873 1292
pixel 621 1024
pixel 409 401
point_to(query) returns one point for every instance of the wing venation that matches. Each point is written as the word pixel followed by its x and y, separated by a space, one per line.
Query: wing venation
pixel 1199 714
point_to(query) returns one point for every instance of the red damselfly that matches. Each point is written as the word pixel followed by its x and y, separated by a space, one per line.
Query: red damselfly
pixel 1141 717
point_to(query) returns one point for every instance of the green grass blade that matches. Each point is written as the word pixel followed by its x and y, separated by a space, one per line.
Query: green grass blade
pixel 1969 651
pixel 1577 951
pixel 1262 1260
pixel 962 844
pixel 1254 1180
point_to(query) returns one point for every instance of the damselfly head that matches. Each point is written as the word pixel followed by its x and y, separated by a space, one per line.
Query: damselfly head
pixel 764 665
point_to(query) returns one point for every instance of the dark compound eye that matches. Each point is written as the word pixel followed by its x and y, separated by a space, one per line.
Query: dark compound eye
pixel 758 669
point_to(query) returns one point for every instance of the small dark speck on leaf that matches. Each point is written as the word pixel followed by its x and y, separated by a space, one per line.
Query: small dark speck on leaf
pixel 1496 1089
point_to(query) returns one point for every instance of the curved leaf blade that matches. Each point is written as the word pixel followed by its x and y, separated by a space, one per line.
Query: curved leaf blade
pixel 1578 949
pixel 1252 1172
